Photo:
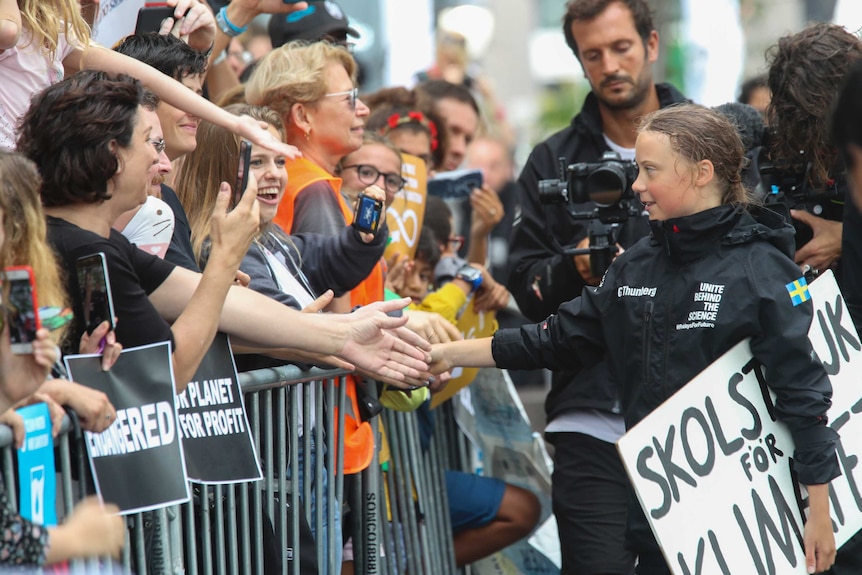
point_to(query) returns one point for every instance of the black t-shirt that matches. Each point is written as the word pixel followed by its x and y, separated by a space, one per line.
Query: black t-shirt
pixel 132 273
pixel 180 251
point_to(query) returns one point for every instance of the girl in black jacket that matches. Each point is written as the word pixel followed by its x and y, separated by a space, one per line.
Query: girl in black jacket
pixel 644 317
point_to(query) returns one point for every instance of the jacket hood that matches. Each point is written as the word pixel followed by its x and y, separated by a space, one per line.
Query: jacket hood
pixel 686 239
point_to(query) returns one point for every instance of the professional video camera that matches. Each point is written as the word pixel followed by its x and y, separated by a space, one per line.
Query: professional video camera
pixel 781 190
pixel 608 185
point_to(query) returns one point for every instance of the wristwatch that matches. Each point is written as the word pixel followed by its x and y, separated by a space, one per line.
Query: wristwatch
pixel 470 275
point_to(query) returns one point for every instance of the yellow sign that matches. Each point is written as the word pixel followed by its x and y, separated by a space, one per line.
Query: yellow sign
pixel 407 211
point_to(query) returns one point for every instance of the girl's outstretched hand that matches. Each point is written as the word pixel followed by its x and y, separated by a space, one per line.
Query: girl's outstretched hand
pixel 258 133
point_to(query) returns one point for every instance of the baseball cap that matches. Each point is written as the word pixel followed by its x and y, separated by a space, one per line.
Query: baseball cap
pixel 316 21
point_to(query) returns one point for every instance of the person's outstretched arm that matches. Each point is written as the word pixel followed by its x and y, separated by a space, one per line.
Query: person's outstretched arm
pixel 367 338
pixel 464 353
pixel 98 58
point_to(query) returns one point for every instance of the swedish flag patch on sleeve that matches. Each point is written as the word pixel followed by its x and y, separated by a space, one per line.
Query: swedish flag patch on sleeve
pixel 798 290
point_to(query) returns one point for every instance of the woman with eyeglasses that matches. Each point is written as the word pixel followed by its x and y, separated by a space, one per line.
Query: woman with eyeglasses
pixel 313 88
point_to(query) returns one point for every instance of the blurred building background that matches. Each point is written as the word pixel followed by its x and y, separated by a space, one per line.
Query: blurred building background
pixel 708 47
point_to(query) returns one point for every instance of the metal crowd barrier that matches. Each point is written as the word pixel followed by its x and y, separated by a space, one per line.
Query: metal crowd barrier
pixel 400 519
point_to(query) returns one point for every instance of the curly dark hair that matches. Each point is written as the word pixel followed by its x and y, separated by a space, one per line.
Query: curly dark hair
pixel 588 9
pixel 806 70
pixel 68 130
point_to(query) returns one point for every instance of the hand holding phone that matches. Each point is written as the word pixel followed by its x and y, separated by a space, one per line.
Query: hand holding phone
pixel 366 217
pixel 20 309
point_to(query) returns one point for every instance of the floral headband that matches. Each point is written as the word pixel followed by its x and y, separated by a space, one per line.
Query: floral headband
pixel 413 117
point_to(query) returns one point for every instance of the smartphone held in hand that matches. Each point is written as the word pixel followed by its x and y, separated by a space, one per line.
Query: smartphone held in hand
pixel 95 289
pixel 151 16
pixel 242 171
pixel 20 307
pixel 366 218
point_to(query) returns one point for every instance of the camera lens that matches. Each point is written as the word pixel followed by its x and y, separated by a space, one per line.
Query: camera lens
pixel 605 186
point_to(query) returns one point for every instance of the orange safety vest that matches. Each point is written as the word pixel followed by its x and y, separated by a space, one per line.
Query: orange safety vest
pixel 358 436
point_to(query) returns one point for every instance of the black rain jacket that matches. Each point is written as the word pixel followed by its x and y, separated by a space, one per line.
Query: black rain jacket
pixel 649 319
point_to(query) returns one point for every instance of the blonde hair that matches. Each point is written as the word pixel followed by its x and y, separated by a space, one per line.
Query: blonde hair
pixel 295 74
pixel 215 160
pixel 47 19
pixel 25 229
pixel 698 133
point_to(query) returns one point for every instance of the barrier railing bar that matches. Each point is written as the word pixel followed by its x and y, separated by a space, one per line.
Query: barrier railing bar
pixel 324 462
pixel 294 491
pixel 257 498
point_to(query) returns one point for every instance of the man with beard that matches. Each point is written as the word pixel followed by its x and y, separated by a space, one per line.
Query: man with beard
pixel 616 43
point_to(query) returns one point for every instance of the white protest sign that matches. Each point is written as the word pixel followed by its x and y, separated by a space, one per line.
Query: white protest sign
pixel 115 20
pixel 712 469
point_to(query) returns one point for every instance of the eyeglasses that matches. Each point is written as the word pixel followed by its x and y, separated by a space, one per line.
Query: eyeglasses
pixel 159 144
pixel 354 95
pixel 456 242
pixel 369 175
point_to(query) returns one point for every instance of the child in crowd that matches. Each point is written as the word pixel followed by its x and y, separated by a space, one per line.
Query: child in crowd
pixel 703 229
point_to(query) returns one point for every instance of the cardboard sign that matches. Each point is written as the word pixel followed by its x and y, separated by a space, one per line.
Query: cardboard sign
pixel 712 468
pixel 407 211
pixel 212 422
pixel 38 497
pixel 138 462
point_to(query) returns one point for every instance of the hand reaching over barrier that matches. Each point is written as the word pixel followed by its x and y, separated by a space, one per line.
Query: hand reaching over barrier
pixel 431 326
pixel 380 345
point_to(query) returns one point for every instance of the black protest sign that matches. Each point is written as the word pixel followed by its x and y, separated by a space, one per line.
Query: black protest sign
pixel 713 469
pixel 213 424
pixel 137 462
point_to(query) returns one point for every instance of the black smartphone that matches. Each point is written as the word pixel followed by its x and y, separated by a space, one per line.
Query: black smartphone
pixel 95 289
pixel 366 217
pixel 455 184
pixel 21 308
pixel 242 171
pixel 151 16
